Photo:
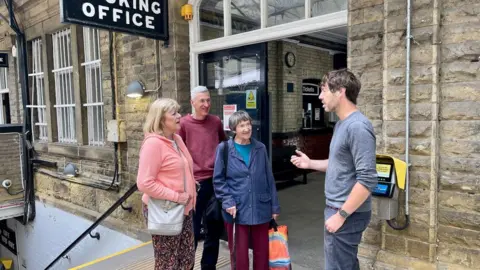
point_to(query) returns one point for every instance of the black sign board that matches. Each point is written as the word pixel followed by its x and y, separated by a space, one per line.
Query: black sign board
pixel 7 238
pixel 147 18
pixel 310 89
pixel 4 60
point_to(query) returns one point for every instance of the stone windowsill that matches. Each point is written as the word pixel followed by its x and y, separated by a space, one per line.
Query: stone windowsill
pixel 79 152
pixel 86 179
pixel 76 151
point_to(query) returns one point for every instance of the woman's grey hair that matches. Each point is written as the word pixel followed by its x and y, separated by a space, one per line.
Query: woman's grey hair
pixel 236 118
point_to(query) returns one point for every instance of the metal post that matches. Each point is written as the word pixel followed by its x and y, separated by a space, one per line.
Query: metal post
pixel 407 104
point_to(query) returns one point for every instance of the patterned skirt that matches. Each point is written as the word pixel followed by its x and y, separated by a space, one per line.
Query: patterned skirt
pixel 174 252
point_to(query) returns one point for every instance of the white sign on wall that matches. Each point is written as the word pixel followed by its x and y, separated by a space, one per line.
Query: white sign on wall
pixel 251 99
pixel 147 18
pixel 228 110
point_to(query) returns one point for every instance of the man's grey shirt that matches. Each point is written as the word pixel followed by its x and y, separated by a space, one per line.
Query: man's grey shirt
pixel 352 159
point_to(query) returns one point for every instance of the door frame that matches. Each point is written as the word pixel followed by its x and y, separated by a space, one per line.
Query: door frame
pixel 262 50
pixel 264 34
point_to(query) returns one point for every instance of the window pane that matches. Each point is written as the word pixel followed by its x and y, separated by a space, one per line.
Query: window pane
pixel 211 19
pixel 285 11
pixel 93 83
pixel 322 7
pixel 64 92
pixel 245 15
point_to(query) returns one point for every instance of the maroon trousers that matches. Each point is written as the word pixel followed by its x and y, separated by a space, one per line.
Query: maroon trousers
pixel 258 234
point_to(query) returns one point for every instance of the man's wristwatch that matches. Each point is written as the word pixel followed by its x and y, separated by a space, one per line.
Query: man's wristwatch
pixel 344 214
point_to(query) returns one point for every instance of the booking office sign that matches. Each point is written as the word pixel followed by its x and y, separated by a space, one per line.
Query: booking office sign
pixel 147 18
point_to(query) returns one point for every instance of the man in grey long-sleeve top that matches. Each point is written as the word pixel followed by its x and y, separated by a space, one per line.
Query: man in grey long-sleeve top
pixel 350 170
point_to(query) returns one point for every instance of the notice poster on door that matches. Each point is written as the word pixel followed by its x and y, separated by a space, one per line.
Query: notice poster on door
pixel 228 110
pixel 251 99
pixel 317 114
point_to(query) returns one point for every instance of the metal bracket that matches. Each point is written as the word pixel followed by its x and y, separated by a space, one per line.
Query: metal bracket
pixel 96 235
pixel 166 42
pixel 128 208
pixel 44 163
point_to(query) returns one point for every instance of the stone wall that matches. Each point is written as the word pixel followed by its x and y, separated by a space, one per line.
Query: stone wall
pixel 287 106
pixel 458 229
pixel 7 40
pixel 164 69
pixel 10 166
pixel 443 153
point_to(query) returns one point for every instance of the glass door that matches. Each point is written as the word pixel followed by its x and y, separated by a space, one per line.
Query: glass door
pixel 237 80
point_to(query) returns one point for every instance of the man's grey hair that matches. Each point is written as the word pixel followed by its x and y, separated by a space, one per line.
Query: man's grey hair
pixel 196 90
pixel 238 117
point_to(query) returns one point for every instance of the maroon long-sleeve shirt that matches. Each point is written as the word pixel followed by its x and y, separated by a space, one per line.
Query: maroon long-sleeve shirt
pixel 202 138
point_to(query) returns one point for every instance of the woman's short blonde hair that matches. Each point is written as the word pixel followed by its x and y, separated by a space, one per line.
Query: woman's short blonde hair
pixel 156 114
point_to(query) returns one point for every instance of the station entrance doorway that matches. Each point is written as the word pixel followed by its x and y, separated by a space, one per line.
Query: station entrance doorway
pixel 237 80
pixel 242 51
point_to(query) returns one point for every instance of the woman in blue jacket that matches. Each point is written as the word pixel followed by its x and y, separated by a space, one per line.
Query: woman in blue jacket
pixel 247 192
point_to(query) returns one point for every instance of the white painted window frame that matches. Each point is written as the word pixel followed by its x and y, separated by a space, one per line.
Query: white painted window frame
pixel 64 88
pixel 38 91
pixel 3 90
pixel 94 104
pixel 264 34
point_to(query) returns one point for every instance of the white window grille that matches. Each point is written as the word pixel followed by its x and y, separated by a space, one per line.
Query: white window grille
pixel 93 79
pixel 64 92
pixel 38 91
pixel 3 94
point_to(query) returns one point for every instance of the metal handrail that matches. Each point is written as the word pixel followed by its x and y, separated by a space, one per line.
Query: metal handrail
pixel 95 224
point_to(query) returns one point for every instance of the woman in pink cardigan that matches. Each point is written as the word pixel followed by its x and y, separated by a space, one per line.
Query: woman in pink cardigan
pixel 164 165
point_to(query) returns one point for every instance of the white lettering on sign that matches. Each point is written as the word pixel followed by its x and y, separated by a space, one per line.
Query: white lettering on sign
pixel 156 8
pixel 309 89
pixel 137 23
pixel 143 5
pixel 139 20
pixel 149 22
pixel 88 9
pixel 116 15
pixel 124 3
pixel 101 12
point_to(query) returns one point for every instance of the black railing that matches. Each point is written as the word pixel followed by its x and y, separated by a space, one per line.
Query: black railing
pixel 94 225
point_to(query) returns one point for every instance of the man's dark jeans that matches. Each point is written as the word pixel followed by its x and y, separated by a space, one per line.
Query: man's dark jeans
pixel 213 229
pixel 341 247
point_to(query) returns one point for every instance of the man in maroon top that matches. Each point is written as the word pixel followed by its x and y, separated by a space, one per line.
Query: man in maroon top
pixel 202 132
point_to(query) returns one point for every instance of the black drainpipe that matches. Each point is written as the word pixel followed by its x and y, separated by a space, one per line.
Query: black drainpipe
pixel 29 211
pixel 114 106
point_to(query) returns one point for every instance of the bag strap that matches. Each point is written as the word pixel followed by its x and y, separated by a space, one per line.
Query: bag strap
pixel 184 166
pixel 225 158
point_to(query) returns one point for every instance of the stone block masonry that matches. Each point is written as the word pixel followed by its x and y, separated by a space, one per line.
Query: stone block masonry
pixel 444 117
pixel 443 113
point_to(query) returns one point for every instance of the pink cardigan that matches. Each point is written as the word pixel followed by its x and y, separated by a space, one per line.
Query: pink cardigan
pixel 161 170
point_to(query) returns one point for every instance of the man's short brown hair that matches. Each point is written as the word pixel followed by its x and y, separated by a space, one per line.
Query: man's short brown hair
pixel 343 78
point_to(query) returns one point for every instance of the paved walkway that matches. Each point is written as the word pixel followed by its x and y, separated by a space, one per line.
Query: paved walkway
pixel 302 211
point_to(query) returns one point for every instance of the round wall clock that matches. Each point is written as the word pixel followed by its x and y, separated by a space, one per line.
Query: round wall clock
pixel 290 59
